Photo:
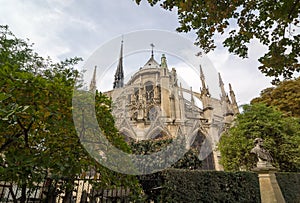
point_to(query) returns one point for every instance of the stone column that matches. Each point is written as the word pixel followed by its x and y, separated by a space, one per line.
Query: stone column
pixel 269 189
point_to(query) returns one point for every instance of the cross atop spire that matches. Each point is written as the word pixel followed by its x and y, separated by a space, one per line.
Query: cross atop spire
pixel 152 46
pixel 119 75
pixel 151 63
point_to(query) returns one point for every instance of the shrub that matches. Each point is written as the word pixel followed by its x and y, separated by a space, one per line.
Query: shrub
pixel 289 184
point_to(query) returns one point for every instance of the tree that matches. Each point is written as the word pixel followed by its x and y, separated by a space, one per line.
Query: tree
pixel 189 161
pixel 38 139
pixel 281 135
pixel 285 96
pixel 273 23
pixel 151 183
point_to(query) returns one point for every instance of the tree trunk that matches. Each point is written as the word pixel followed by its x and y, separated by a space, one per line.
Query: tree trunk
pixel 13 194
pixel 23 194
pixel 68 197
pixel 51 191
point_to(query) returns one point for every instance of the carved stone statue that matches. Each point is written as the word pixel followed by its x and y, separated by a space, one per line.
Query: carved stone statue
pixel 268 185
pixel 263 155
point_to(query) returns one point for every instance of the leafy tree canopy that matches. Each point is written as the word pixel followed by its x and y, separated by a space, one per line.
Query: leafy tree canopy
pixel 285 96
pixel 274 23
pixel 281 135
pixel 38 139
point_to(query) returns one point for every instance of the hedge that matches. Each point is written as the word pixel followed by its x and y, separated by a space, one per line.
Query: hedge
pixel 210 186
pixel 289 184
pixel 152 185
pixel 177 185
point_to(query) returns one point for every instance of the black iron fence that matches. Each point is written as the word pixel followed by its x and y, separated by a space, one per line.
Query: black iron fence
pixel 49 192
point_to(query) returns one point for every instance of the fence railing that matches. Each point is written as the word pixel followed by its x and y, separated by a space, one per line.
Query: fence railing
pixel 49 192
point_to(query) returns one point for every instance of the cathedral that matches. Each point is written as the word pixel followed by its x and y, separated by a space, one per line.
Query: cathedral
pixel 154 105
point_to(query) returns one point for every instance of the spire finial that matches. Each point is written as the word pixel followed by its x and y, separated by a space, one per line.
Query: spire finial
pixel 119 75
pixel 202 77
pixel 164 61
pixel 233 100
pixel 192 96
pixel 230 88
pixel 152 47
pixel 220 80
pixel 204 90
pixel 221 84
pixel 93 86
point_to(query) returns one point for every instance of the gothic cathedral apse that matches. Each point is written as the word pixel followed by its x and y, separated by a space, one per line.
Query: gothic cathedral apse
pixel 154 105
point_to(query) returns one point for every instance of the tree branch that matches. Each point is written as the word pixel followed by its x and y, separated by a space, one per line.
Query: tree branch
pixel 8 142
pixel 292 9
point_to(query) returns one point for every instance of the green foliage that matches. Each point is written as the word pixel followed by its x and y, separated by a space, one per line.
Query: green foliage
pixel 149 146
pixel 281 136
pixel 209 186
pixel 152 183
pixel 175 185
pixel 285 96
pixel 274 23
pixel 38 138
pixel 106 122
pixel 289 184
pixel 37 100
pixel 190 159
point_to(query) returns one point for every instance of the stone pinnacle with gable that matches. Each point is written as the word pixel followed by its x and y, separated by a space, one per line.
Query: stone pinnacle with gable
pixel 93 86
pixel 204 89
pixel 233 100
pixel 221 85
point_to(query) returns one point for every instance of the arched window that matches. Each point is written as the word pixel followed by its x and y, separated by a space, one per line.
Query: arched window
pixel 152 113
pixel 136 94
pixel 149 91
pixel 208 163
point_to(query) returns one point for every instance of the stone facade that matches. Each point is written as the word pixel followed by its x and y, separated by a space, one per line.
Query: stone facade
pixel 153 104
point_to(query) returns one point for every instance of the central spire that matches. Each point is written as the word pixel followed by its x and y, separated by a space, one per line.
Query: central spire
pixel 119 75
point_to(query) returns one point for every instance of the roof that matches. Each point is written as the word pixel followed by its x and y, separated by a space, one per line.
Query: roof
pixel 151 63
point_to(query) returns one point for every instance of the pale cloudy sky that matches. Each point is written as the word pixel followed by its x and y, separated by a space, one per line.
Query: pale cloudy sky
pixel 68 28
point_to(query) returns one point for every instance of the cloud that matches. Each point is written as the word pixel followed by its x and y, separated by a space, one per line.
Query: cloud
pixel 243 74
pixel 62 29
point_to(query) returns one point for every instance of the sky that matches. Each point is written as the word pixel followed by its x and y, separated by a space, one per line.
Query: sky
pixel 67 28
